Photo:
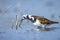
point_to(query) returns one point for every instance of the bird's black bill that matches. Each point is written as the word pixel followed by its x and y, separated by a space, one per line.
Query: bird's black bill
pixel 20 23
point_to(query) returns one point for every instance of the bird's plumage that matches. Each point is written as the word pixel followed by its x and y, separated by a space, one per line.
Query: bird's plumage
pixel 38 20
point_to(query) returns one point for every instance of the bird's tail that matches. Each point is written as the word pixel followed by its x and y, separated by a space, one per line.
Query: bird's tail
pixel 56 22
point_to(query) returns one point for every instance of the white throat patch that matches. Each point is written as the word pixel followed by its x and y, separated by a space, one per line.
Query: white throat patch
pixel 37 23
pixel 31 17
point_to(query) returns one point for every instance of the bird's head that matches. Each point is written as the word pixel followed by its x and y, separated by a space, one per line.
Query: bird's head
pixel 24 16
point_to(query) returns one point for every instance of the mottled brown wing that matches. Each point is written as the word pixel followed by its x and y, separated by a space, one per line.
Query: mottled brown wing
pixel 46 21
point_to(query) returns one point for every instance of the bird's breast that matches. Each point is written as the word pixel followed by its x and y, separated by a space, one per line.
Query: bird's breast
pixel 37 22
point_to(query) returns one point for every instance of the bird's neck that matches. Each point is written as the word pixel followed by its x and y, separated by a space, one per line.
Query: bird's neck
pixel 32 19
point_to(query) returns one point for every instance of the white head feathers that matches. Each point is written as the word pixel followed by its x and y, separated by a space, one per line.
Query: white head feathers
pixel 24 15
pixel 29 16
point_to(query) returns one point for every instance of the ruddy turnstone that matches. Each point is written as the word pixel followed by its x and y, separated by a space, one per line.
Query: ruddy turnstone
pixel 38 20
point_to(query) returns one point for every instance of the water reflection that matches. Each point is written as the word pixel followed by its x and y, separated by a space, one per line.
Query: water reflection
pixel 48 29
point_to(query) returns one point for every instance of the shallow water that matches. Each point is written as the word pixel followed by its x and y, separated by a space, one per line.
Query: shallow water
pixel 33 7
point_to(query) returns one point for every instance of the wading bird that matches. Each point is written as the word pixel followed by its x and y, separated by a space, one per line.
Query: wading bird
pixel 39 21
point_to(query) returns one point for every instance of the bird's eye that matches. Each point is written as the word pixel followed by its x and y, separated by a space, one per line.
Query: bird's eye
pixel 24 17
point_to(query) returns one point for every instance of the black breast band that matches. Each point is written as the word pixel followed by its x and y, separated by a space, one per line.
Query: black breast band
pixel 31 19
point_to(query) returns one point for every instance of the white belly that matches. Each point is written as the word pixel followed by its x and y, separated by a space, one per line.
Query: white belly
pixel 37 23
